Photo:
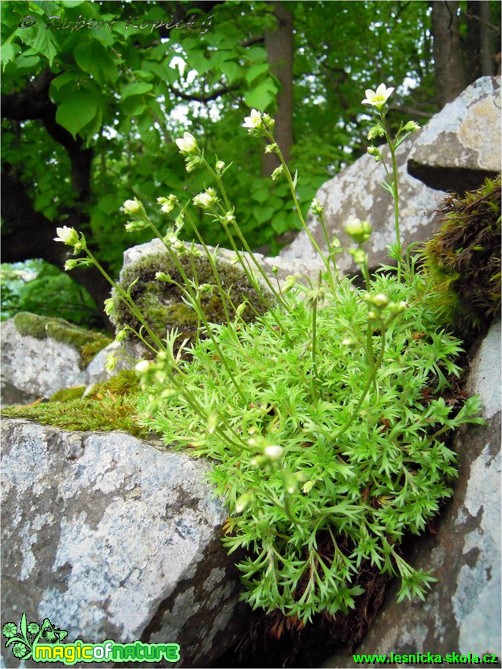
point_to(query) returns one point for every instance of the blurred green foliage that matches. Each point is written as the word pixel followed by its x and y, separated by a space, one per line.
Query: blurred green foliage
pixel 40 288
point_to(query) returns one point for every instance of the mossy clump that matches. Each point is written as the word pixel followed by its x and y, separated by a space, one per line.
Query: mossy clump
pixel 161 302
pixel 109 406
pixel 87 342
pixel 67 394
pixel 463 259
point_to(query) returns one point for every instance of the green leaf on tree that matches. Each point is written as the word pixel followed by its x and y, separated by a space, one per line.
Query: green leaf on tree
pixel 77 111
pixel 136 88
pixel 261 95
pixel 93 58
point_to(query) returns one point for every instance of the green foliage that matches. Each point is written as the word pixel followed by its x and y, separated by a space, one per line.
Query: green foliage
pixel 338 499
pixel 463 258
pixel 87 342
pixel 40 288
pixel 109 406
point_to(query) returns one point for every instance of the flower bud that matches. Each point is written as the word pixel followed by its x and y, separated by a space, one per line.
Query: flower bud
pixel 316 207
pixel 277 172
pixel 380 300
pixel 132 207
pixel 244 501
pixel 142 366
pixel 360 231
pixel 411 126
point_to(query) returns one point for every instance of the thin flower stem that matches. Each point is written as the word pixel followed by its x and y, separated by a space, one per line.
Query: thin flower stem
pixel 195 302
pixel 299 213
pixel 368 385
pixel 242 239
pixel 127 299
pixel 395 191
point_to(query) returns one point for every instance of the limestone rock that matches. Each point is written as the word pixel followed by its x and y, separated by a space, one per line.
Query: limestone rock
pixel 457 149
pixel 112 538
pixel 462 611
pixel 33 368
pixel 460 146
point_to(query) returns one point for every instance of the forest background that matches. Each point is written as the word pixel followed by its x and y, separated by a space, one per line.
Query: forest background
pixel 94 95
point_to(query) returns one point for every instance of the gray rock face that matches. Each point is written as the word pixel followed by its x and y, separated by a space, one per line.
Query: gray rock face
pixel 112 538
pixel 462 612
pixel 456 150
pixel 34 368
pixel 460 146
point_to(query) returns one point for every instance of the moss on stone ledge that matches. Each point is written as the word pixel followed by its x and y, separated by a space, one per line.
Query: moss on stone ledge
pixel 86 342
pixel 109 406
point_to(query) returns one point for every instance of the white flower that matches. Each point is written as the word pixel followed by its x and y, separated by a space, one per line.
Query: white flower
pixel 379 97
pixel 187 143
pixel 132 207
pixel 252 121
pixel 66 235
pixel 273 452
pixel 167 203
pixel 205 199
pixel 220 166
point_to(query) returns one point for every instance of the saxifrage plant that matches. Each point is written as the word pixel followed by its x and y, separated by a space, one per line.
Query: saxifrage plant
pixel 325 417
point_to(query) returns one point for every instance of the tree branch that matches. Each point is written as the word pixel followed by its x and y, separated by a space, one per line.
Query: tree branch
pixel 203 97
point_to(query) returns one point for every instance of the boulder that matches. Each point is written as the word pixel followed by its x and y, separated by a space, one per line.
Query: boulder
pixel 460 146
pixel 32 369
pixel 461 614
pixel 111 537
pixel 456 150
pixel 42 355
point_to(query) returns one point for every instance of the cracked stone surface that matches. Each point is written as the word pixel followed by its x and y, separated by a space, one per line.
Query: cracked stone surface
pixel 111 537
pixel 462 611
pixel 455 150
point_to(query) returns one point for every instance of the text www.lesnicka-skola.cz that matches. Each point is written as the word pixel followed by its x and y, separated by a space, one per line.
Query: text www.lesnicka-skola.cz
pixel 427 658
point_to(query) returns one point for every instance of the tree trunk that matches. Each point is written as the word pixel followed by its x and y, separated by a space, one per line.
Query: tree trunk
pixel 28 234
pixel 449 66
pixel 486 42
pixel 279 46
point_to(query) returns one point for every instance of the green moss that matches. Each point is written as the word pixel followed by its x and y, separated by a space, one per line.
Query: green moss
pixel 88 343
pixel 124 383
pixel 161 302
pixel 110 406
pixel 67 394
pixel 463 259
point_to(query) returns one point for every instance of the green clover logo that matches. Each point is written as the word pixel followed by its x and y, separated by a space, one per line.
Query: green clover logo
pixel 23 640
